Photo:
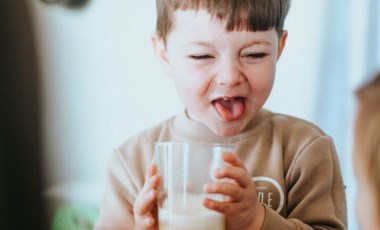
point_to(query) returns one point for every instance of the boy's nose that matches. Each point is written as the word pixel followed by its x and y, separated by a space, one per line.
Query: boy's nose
pixel 229 74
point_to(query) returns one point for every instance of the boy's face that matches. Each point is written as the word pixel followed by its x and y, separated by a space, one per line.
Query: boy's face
pixel 223 77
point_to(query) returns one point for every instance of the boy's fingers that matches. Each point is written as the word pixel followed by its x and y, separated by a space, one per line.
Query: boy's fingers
pixel 145 203
pixel 152 170
pixel 220 206
pixel 149 221
pixel 233 191
pixel 233 159
pixel 145 222
pixel 154 181
pixel 239 175
pixel 151 183
pixel 148 195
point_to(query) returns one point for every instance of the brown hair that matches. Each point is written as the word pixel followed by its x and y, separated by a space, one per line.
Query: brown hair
pixel 250 15
pixel 368 134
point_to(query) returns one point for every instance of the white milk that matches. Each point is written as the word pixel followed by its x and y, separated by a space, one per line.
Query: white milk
pixel 196 217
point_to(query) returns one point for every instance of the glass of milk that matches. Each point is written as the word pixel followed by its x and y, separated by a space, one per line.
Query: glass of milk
pixel 184 169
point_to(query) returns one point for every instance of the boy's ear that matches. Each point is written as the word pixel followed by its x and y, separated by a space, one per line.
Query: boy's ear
pixel 281 43
pixel 161 53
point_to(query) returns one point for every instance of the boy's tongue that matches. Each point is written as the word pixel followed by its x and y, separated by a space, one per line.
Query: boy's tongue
pixel 229 109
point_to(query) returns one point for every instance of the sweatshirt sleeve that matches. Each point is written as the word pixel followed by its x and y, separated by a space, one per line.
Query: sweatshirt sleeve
pixel 116 211
pixel 316 195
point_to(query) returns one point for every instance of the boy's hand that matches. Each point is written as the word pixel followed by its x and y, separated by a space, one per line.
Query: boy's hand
pixel 144 208
pixel 242 208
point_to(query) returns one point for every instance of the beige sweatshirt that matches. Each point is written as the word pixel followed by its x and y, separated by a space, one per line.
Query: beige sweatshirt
pixel 293 163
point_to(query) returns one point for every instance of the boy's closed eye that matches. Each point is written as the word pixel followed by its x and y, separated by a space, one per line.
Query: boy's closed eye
pixel 201 57
pixel 250 55
pixel 255 55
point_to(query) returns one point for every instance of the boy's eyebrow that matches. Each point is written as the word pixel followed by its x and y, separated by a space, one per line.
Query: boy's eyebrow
pixel 258 42
pixel 199 43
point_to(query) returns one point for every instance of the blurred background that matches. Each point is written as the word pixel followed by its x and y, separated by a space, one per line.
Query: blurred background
pixel 92 81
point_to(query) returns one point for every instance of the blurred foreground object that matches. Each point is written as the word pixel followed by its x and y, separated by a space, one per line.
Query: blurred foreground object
pixel 74 218
pixel 74 203
pixel 21 201
pixel 68 3
pixel 367 154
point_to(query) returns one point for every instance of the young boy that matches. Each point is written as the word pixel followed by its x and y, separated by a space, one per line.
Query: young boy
pixel 222 57
pixel 367 155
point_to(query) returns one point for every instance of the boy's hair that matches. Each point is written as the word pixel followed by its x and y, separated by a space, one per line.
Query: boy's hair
pixel 250 15
pixel 368 134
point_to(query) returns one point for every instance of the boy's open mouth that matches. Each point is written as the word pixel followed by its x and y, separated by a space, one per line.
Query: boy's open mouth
pixel 229 108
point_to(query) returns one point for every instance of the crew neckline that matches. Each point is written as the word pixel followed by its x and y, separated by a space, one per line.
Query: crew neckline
pixel 188 130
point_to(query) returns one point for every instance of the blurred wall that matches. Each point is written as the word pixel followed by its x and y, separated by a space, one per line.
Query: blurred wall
pixel 99 78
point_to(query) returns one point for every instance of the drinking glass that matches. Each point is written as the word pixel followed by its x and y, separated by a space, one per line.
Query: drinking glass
pixel 184 168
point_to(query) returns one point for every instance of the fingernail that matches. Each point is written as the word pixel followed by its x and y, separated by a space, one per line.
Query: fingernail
pixel 151 194
pixel 150 222
pixel 217 173
pixel 153 179
pixel 206 187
